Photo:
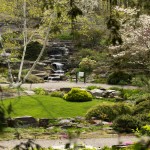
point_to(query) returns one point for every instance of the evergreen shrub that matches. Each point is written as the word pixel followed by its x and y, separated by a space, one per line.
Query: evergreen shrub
pixel 78 95
pixel 109 112
pixel 143 98
pixel 142 107
pixel 119 77
pixel 33 50
pixel 144 117
pixel 127 123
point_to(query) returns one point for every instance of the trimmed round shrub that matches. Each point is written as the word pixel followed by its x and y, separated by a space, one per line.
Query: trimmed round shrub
pixel 109 112
pixel 102 111
pixel 126 123
pixel 78 95
pixel 119 77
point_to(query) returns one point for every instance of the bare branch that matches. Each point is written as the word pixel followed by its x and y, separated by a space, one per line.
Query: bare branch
pixel 40 55
pixel 25 40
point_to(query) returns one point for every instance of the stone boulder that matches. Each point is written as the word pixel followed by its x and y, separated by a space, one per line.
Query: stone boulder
pixel 25 121
pixel 66 90
pixel 29 92
pixel 65 122
pixel 113 92
pixel 97 92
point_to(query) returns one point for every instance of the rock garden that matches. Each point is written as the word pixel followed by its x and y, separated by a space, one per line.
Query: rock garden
pixel 98 54
pixel 75 113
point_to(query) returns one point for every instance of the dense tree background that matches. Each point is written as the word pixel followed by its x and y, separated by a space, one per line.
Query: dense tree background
pixel 99 26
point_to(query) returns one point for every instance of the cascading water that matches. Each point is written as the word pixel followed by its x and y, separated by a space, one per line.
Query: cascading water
pixel 57 55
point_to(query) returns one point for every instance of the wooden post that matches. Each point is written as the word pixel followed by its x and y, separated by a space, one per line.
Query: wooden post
pixel 76 77
pixel 84 77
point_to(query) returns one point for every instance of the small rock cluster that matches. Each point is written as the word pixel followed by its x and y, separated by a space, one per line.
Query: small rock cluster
pixel 29 121
pixel 24 121
pixel 100 93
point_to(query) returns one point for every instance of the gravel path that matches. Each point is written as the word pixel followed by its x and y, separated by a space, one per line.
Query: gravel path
pixel 99 142
pixel 66 84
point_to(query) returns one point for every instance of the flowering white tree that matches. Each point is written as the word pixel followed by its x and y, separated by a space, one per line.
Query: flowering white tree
pixel 135 33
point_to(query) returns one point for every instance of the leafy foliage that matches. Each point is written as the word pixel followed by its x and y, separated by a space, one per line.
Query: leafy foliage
pixel 131 94
pixel 57 94
pixel 143 117
pixel 40 91
pixel 142 98
pixel 91 87
pixel 146 130
pixel 87 65
pixel 142 107
pixel 126 123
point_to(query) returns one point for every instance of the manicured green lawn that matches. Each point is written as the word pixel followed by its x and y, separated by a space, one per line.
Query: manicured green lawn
pixel 50 107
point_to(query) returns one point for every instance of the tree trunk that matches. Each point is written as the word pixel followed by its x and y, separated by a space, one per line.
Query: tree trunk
pixel 25 40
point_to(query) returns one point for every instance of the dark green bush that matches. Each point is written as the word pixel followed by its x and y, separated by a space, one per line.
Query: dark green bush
pixel 109 112
pixel 78 95
pixel 126 123
pixel 119 77
pixel 144 117
pixel 143 98
pixel 33 50
pixel 142 107
pixel 2 118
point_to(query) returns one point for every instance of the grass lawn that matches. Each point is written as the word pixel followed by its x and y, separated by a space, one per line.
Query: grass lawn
pixel 40 106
